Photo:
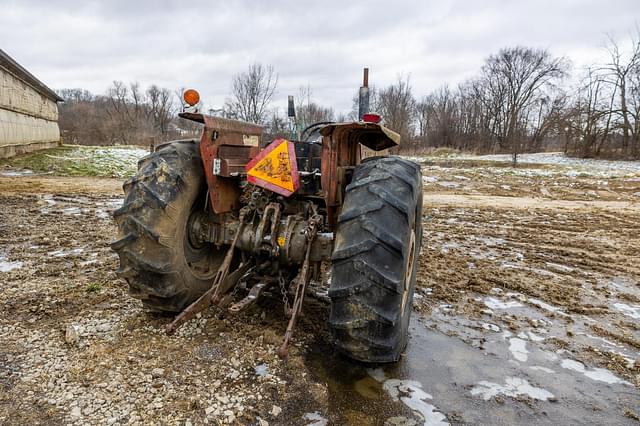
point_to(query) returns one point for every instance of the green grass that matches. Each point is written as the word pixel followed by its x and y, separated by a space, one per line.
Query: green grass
pixel 71 160
pixel 94 287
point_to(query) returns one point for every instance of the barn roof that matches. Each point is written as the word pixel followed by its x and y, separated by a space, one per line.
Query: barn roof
pixel 19 71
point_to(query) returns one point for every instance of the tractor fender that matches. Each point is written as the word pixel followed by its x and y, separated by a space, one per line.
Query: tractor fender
pixel 372 135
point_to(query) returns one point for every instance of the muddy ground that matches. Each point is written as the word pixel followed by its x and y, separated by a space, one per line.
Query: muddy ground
pixel 527 311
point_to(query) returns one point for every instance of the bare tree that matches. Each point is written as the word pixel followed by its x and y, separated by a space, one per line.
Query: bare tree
pixel 622 71
pixel 160 107
pixel 396 104
pixel 252 92
pixel 125 115
pixel 308 111
pixel 520 75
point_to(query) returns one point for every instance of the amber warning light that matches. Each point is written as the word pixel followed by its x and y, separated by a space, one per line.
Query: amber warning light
pixel 191 97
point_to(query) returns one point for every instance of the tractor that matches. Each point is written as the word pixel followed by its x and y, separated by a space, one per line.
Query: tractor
pixel 224 220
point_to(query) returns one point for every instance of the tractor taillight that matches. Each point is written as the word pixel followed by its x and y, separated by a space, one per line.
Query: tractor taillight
pixel 371 118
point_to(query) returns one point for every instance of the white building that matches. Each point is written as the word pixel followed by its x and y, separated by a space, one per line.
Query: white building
pixel 28 111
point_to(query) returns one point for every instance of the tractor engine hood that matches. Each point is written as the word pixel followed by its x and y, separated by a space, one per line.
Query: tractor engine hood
pixel 223 124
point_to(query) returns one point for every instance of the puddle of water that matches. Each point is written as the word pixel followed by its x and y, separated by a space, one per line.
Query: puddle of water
pixel 438 372
pixel 354 396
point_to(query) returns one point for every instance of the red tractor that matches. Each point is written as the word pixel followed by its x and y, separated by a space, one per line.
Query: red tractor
pixel 220 221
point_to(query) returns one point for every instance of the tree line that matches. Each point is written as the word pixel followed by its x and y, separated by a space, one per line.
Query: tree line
pixel 524 100
pixel 521 100
pixel 125 115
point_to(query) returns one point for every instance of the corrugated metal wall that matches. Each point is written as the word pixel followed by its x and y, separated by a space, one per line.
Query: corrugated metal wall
pixel 26 116
pixel 16 128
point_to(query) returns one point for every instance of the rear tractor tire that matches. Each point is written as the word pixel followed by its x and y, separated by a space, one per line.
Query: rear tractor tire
pixel 375 259
pixel 162 264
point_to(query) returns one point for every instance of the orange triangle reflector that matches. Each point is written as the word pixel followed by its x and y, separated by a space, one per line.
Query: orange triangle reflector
pixel 275 168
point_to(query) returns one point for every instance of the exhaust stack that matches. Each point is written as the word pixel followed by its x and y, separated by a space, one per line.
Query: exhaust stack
pixel 363 97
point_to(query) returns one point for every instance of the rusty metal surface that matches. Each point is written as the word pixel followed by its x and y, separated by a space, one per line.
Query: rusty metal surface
pixel 214 294
pixel 221 134
pixel 371 135
pixel 252 297
pixel 339 155
pixel 301 280
pixel 224 124
pixel 234 158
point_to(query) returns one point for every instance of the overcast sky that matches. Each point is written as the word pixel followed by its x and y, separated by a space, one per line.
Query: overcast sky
pixel 324 44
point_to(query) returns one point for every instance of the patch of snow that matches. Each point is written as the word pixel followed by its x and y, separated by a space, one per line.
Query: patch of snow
pixel 493 303
pixel 102 214
pixel 448 184
pixel 632 311
pixel 62 253
pixel 48 198
pixel 562 269
pixel 539 303
pixel 518 349
pixel 543 369
pixel 72 211
pixel 448 246
pixel 491 241
pixel 491 327
pixel 602 339
pixel 575 166
pixel 412 396
pixel 315 418
pixel 598 374
pixel 430 179
pixel 15 173
pixel 262 370
pixel 6 266
pixel 513 386
pixel 416 400
pixel 528 335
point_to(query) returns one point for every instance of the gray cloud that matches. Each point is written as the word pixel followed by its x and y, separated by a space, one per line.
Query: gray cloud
pixel 324 44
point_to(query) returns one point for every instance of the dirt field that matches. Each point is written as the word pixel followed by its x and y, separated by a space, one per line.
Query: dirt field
pixel 527 312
